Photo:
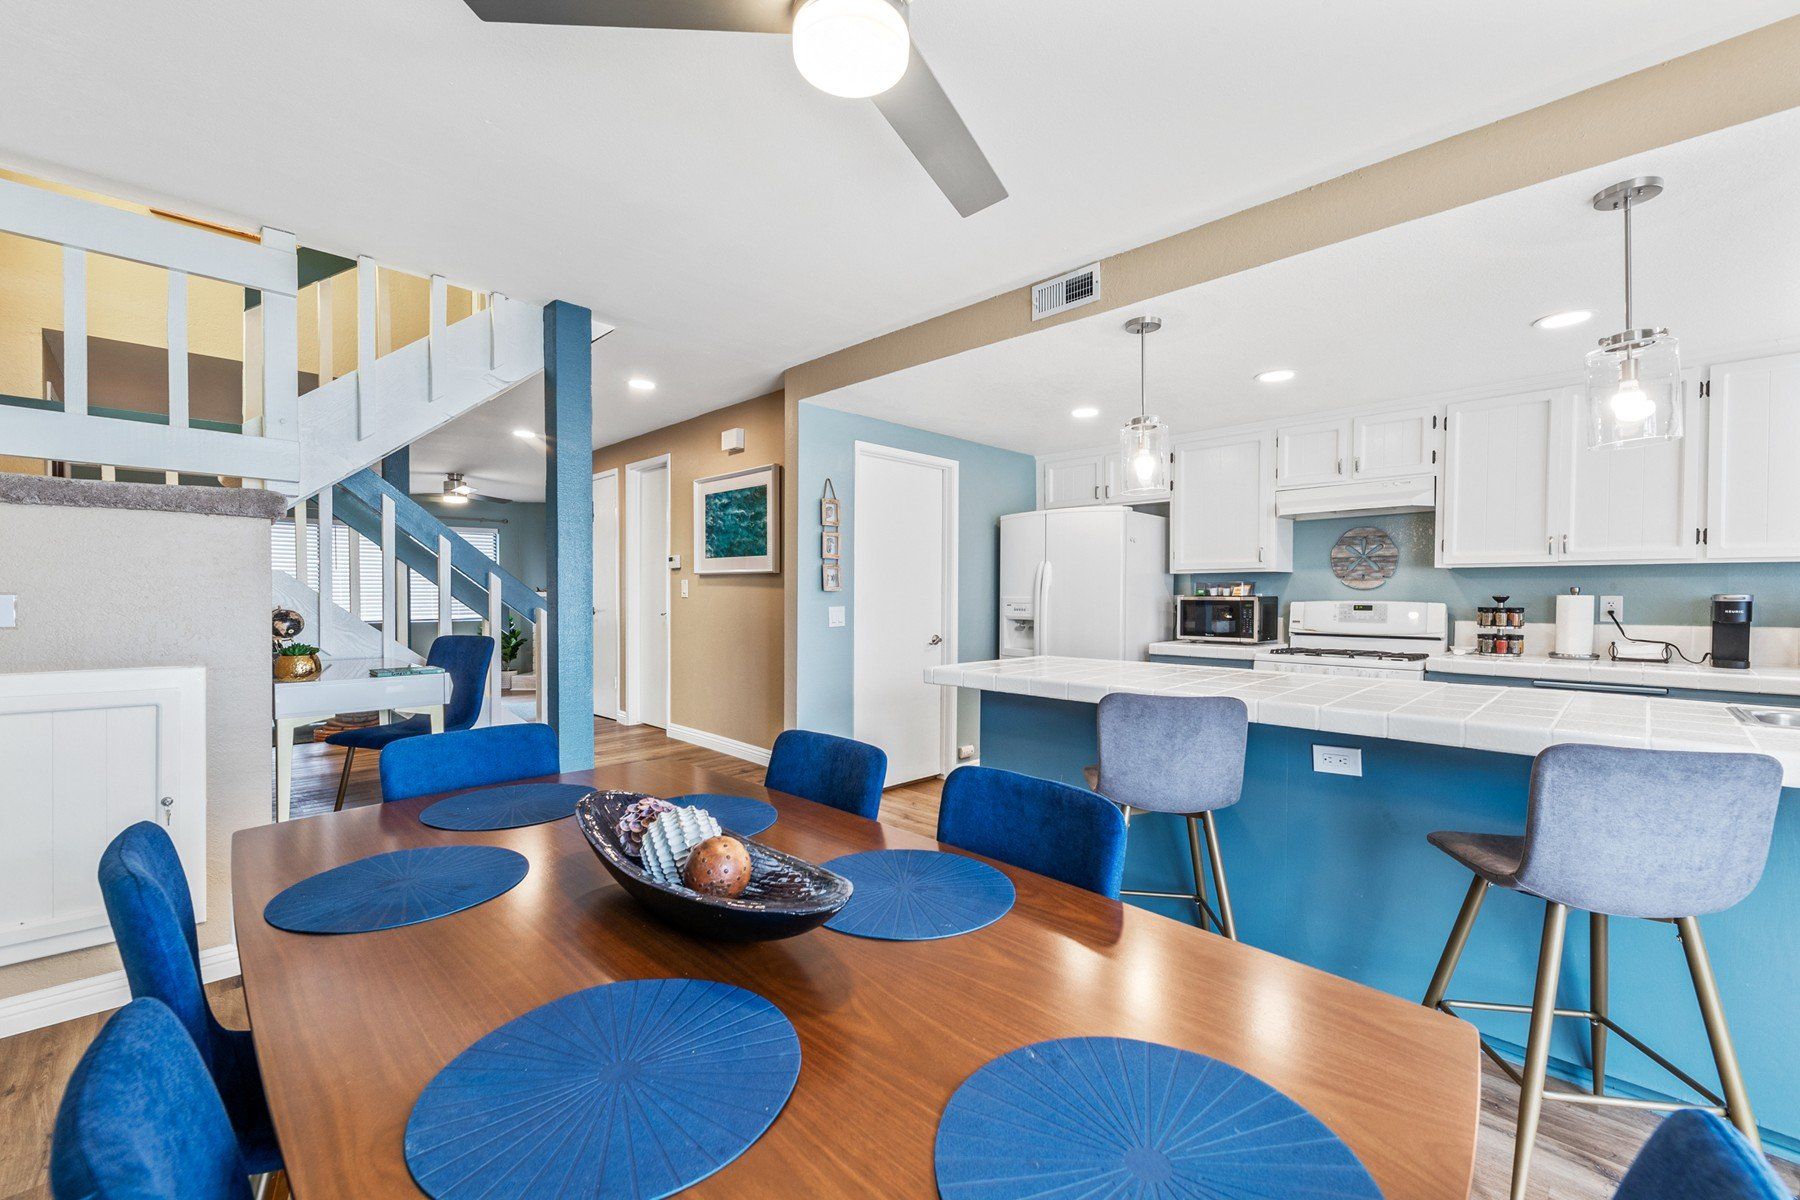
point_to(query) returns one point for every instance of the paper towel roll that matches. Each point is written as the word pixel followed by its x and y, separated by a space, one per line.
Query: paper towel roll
pixel 1575 626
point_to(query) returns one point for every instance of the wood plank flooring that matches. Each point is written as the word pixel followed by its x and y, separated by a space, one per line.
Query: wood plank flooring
pixel 1581 1154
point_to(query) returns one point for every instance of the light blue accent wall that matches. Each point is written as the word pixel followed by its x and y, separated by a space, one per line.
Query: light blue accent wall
pixel 1668 594
pixel 1334 871
pixel 992 483
pixel 569 516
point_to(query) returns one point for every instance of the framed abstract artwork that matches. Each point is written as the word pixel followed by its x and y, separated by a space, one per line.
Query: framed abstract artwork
pixel 737 522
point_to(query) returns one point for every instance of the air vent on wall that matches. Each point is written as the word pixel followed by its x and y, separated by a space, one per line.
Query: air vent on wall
pixel 1065 291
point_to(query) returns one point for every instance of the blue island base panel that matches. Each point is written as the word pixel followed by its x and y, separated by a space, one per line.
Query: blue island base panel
pixel 1334 871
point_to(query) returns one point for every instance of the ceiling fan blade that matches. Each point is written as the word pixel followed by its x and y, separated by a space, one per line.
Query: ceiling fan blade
pixel 736 16
pixel 921 113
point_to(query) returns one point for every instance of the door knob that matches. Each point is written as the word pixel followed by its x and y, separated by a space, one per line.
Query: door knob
pixel 937 639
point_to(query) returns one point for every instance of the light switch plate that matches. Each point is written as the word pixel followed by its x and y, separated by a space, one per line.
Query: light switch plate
pixel 9 612
pixel 834 617
pixel 1337 760
pixel 684 589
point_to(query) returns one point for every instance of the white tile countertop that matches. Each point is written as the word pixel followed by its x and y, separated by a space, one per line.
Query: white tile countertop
pixel 1774 681
pixel 1243 650
pixel 1475 716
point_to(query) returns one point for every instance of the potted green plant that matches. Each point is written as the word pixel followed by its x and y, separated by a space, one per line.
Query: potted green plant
pixel 296 662
pixel 512 642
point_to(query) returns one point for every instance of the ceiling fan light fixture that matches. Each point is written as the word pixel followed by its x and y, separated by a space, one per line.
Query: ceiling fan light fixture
pixel 851 48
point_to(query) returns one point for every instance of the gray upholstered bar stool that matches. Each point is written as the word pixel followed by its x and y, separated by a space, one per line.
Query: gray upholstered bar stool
pixel 1182 755
pixel 1666 835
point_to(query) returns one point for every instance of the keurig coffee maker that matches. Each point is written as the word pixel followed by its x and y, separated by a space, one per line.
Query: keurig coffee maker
pixel 1731 632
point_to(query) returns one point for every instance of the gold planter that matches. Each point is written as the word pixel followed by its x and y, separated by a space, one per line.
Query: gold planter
pixel 296 668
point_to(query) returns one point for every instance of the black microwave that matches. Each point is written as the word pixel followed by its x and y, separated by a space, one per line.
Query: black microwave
pixel 1226 618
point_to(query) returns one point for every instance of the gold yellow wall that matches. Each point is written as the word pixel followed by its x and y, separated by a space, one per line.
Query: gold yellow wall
pixel 725 638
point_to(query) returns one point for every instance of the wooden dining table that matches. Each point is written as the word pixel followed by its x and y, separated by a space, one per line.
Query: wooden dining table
pixel 350 1029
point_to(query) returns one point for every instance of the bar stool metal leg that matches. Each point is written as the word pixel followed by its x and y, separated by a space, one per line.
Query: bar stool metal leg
pixel 1227 923
pixel 1537 1045
pixel 1597 987
pixel 344 779
pixel 1706 989
pixel 1453 948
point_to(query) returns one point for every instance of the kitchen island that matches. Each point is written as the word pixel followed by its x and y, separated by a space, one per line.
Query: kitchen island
pixel 1334 870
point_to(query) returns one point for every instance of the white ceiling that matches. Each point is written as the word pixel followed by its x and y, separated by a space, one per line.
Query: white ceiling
pixel 1436 306
pixel 730 220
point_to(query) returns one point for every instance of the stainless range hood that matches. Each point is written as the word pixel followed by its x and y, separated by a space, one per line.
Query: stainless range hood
pixel 1359 498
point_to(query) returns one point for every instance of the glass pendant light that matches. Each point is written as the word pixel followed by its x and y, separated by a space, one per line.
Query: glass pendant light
pixel 1634 378
pixel 1144 441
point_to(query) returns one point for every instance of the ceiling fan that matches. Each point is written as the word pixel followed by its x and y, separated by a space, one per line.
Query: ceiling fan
pixel 457 491
pixel 852 48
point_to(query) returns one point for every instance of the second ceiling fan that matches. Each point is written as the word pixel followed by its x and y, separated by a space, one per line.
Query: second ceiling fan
pixel 852 48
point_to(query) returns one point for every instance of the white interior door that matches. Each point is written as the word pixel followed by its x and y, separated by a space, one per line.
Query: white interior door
pixel 647 615
pixel 606 596
pixel 904 578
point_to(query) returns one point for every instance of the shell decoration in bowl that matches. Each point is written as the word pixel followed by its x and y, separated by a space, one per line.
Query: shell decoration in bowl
pixel 671 838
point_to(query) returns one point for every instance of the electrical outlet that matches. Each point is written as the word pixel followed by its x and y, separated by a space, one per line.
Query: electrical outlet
pixel 834 617
pixel 1337 760
pixel 1612 606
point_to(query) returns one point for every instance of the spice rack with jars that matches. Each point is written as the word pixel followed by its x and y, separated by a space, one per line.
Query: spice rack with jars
pixel 1500 628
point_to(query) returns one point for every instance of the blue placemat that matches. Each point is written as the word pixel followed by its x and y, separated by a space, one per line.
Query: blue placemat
pixel 1118 1118
pixel 511 807
pixel 739 814
pixel 632 1090
pixel 915 895
pixel 403 887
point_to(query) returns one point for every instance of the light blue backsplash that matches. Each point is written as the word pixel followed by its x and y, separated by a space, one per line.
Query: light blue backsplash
pixel 992 482
pixel 1669 594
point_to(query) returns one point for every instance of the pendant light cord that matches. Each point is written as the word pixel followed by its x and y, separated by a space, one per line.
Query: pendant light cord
pixel 1625 208
pixel 1143 371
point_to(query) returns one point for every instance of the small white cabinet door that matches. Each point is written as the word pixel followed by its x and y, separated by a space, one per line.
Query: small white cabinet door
pixel 1394 443
pixel 1639 502
pixel 1753 467
pixel 1497 494
pixel 1312 453
pixel 1068 482
pixel 1222 511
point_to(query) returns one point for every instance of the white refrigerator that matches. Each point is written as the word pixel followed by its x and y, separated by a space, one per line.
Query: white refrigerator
pixel 1085 583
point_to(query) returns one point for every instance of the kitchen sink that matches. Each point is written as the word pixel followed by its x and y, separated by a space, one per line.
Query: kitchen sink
pixel 1775 718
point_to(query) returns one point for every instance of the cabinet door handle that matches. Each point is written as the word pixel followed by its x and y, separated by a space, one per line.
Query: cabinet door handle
pixel 1109 491
pixel 1550 545
pixel 1096 491
pixel 1565 543
pixel 1340 466
pixel 1356 464
pixel 1259 554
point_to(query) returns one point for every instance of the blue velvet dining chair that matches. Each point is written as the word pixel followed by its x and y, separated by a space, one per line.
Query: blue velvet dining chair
pixel 450 762
pixel 1065 832
pixel 140 1119
pixel 1698 1155
pixel 152 915
pixel 465 658
pixel 835 771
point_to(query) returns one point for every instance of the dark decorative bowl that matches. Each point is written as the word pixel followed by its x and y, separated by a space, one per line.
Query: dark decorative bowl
pixel 786 896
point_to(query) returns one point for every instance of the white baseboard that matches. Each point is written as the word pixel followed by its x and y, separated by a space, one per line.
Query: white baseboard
pixel 84 997
pixel 724 745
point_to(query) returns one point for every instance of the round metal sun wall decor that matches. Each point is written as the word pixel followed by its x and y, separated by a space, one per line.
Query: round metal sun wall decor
pixel 1364 557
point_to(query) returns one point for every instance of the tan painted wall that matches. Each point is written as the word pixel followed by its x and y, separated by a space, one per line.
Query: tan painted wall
pixel 117 588
pixel 726 638
pixel 1739 80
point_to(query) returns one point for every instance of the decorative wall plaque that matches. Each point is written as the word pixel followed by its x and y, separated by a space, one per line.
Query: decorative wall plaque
pixel 1364 557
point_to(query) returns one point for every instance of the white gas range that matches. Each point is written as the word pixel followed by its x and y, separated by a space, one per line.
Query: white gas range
pixel 1374 639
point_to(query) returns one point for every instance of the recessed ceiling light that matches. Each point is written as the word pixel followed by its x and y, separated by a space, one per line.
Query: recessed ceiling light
pixel 527 434
pixel 1281 375
pixel 639 384
pixel 1084 413
pixel 1562 320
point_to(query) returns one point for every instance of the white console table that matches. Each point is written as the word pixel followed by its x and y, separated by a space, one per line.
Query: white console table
pixel 345 685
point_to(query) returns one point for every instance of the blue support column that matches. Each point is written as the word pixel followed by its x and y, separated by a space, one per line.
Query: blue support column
pixel 569 497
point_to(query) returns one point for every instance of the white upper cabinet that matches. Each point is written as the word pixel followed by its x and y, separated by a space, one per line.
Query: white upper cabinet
pixel 1499 458
pixel 1067 482
pixel 1395 443
pixel 1639 502
pixel 1753 494
pixel 1222 512
pixel 1309 454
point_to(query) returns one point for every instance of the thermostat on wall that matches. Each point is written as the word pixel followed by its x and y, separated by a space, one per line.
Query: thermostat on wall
pixel 731 441
pixel 674 562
